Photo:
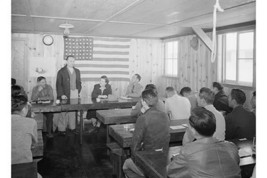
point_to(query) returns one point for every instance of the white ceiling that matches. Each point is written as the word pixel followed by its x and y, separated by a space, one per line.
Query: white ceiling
pixel 126 18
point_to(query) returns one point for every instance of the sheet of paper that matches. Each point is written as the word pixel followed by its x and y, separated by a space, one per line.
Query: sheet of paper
pixel 244 153
pixel 177 127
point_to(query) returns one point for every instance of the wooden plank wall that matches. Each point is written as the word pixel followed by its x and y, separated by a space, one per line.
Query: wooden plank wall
pixel 194 67
pixel 145 58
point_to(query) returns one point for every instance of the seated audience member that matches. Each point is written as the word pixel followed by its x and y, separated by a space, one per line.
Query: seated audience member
pixel 18 90
pixel 205 157
pixel 240 123
pixel 151 131
pixel 177 107
pixel 13 81
pixel 134 88
pixel 187 92
pixel 138 108
pixel 253 102
pixel 24 131
pixel 101 91
pixel 43 91
pixel 220 100
pixel 206 98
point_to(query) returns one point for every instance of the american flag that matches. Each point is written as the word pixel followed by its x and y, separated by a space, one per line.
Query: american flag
pixel 99 56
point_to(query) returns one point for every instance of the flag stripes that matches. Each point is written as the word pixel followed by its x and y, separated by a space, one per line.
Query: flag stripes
pixel 110 57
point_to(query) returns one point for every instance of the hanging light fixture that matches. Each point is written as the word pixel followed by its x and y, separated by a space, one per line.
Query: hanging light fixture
pixel 66 26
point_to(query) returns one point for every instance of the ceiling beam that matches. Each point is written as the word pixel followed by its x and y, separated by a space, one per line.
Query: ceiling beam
pixel 203 36
pixel 27 5
pixel 116 14
pixel 83 19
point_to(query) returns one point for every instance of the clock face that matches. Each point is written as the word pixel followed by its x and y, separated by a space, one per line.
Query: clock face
pixel 48 40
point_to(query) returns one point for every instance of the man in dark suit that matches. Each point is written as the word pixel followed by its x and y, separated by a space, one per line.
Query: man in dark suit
pixel 220 100
pixel 240 123
pixel 68 86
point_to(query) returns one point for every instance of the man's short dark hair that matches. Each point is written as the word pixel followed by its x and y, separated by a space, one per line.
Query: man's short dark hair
pixel 170 89
pixel 40 78
pixel 105 78
pixel 13 81
pixel 254 93
pixel 16 90
pixel 185 90
pixel 151 87
pixel 18 103
pixel 207 94
pixel 203 121
pixel 217 85
pixel 67 58
pixel 138 76
pixel 150 97
pixel 239 96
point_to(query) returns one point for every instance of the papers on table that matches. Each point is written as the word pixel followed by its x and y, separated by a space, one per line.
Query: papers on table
pixel 125 98
pixel 175 127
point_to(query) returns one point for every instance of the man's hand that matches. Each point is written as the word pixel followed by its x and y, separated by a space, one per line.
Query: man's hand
pixel 40 88
pixel 64 97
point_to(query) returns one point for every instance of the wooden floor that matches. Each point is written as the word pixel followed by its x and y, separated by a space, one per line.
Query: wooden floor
pixel 64 157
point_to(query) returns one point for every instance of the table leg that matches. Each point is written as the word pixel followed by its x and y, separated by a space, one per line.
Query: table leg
pixel 81 127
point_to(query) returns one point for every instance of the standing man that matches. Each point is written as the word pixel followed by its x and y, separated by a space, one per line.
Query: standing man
pixel 44 91
pixel 68 87
pixel 134 89
pixel 176 106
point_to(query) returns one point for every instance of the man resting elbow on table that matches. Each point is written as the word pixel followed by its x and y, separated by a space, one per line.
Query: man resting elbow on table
pixel 151 131
pixel 138 109
pixel 207 156
pixel 205 100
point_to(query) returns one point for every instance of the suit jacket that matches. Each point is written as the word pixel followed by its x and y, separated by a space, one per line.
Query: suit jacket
pixel 63 82
pixel 97 91
pixel 240 123
pixel 207 158
pixel 221 102
pixel 151 131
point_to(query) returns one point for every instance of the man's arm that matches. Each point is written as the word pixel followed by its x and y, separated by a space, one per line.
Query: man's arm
pixel 35 93
pixel 50 93
pixel 138 135
pixel 78 82
pixel 178 167
pixel 188 137
pixel 137 109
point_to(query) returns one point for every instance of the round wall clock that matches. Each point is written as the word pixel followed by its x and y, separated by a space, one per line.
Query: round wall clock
pixel 48 40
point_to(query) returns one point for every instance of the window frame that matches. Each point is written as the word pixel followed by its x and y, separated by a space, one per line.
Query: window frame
pixel 165 59
pixel 223 59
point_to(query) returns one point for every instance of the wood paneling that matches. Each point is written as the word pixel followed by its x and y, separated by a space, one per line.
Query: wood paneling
pixel 145 59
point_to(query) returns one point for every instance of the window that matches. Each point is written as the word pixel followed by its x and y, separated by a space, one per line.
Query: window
pixel 171 58
pixel 237 55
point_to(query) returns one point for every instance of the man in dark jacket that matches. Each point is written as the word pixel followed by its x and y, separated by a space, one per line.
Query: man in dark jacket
pixel 205 157
pixel 220 100
pixel 68 86
pixel 151 131
pixel 240 123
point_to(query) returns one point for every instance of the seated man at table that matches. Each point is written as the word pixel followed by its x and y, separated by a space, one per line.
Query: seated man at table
pixel 134 88
pixel 240 123
pixel 138 109
pixel 206 98
pixel 177 107
pixel 151 131
pixel 205 157
pixel 220 100
pixel 43 91
pixel 187 92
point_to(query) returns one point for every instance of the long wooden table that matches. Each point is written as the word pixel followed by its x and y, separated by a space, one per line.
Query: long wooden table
pixel 123 134
pixel 154 163
pixel 82 104
pixel 115 116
